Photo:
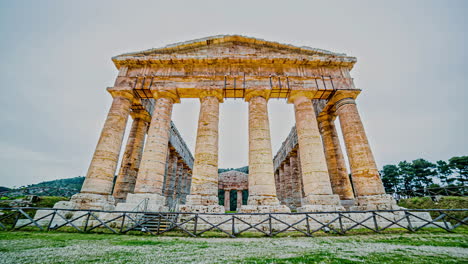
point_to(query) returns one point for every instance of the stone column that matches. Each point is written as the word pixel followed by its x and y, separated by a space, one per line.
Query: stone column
pixel 149 184
pixel 282 183
pixel 204 188
pixel 365 176
pixel 340 182
pixel 287 183
pixel 178 183
pixel 170 173
pixel 262 191
pixel 97 187
pixel 296 188
pixel 317 186
pixel 227 198
pixel 239 199
pixel 278 185
pixel 126 178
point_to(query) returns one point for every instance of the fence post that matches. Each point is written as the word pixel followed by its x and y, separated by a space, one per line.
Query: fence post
pixel 410 226
pixel 51 220
pixel 269 225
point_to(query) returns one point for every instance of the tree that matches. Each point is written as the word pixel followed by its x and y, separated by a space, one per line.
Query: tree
pixel 407 174
pixel 460 166
pixel 423 172
pixel 444 171
pixel 391 178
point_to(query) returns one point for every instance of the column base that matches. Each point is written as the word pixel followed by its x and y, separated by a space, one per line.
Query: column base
pixel 375 202
pixel 263 204
pixel 202 204
pixel 321 203
pixel 156 203
pixel 88 201
pixel 264 209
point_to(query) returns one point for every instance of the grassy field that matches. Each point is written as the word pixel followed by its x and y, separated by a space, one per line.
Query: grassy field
pixel 54 247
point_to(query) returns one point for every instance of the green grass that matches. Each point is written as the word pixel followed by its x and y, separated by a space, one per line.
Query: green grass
pixel 56 247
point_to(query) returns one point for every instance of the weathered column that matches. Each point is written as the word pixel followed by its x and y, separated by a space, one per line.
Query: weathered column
pixel 296 188
pixel 365 176
pixel 204 188
pixel 149 184
pixel 278 184
pixel 340 182
pixel 287 183
pixel 126 178
pixel 178 182
pixel 239 199
pixel 97 187
pixel 189 183
pixel 171 165
pixel 283 184
pixel 262 191
pixel 227 196
pixel 317 186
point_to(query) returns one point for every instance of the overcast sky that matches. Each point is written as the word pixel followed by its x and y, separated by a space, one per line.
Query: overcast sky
pixel 55 65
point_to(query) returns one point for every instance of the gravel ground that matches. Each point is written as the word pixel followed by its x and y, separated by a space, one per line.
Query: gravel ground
pixel 92 248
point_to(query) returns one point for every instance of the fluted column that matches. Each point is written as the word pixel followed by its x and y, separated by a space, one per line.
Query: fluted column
pixel 262 191
pixel 227 200
pixel 100 176
pixel 204 187
pixel 287 182
pixel 317 186
pixel 278 184
pixel 126 178
pixel 178 182
pixel 296 188
pixel 151 175
pixel 149 184
pixel 340 182
pixel 282 182
pixel 365 176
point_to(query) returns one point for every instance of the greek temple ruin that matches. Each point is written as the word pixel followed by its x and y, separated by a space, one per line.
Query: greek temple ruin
pixel 308 174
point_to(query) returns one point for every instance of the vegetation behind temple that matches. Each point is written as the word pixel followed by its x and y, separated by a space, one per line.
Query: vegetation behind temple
pixel 420 174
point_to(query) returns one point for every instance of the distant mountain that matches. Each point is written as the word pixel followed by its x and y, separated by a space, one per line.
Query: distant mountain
pixel 69 183
pixel 4 189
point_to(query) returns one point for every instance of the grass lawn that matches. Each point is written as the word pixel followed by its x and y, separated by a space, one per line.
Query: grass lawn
pixel 55 247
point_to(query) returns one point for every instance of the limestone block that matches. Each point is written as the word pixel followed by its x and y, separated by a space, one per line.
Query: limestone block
pixel 155 203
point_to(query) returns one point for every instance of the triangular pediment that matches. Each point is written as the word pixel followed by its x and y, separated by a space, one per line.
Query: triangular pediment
pixel 230 46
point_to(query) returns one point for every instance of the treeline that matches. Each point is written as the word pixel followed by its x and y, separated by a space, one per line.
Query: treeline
pixel 420 174
pixel 244 169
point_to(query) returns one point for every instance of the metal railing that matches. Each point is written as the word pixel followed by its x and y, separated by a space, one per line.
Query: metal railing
pixel 232 225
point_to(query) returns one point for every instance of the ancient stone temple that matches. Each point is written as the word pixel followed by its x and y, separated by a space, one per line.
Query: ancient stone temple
pixel 233 182
pixel 307 174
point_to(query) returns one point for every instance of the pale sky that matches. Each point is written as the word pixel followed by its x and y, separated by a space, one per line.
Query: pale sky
pixel 56 64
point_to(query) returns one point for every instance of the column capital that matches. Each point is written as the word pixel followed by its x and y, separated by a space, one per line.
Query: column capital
pixel 300 95
pixel 121 92
pixel 169 93
pixel 326 117
pixel 141 114
pixel 262 92
pixel 342 102
pixel 218 93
